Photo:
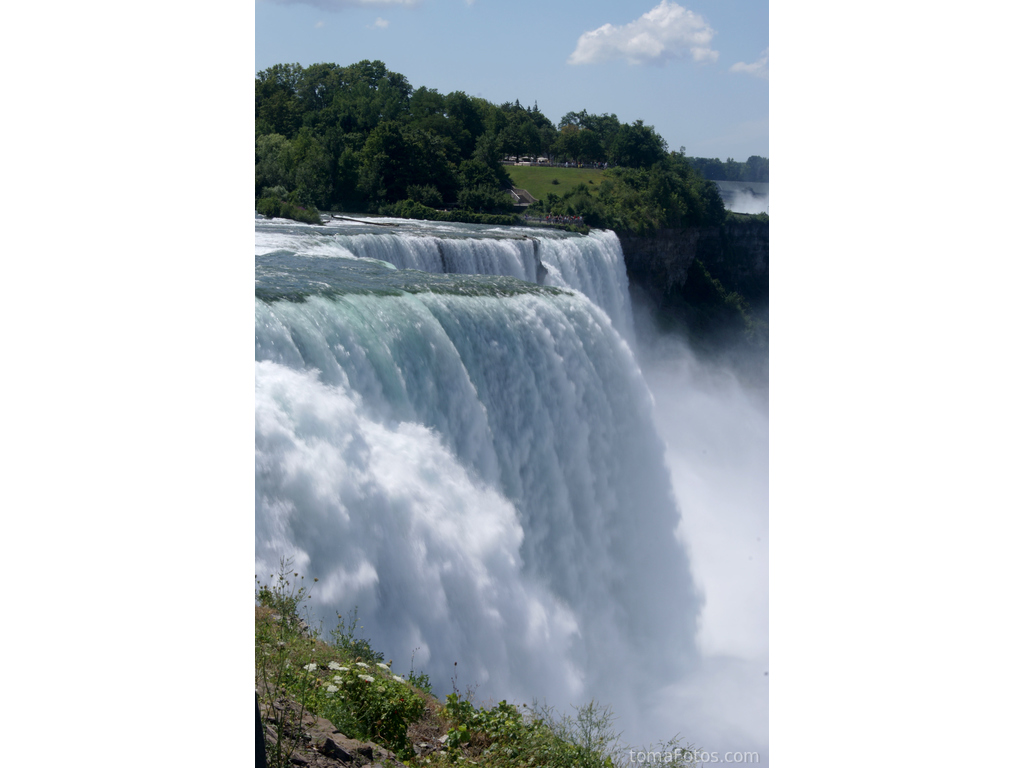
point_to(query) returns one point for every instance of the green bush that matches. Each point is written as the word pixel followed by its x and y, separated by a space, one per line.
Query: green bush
pixel 483 198
pixel 346 641
pixel 273 207
pixel 426 194
pixel 504 735
pixel 269 207
pixel 359 694
pixel 368 702
pixel 410 209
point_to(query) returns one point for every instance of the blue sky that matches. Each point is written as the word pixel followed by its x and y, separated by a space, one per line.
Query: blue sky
pixel 697 70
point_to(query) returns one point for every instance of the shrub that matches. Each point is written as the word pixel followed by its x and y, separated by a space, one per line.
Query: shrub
pixel 346 641
pixel 368 701
pixel 283 657
pixel 273 206
pixel 483 198
pixel 409 209
pixel 269 207
pixel 358 693
pixel 426 194
pixel 506 735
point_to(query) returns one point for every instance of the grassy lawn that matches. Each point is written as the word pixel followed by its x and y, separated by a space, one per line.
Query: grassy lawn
pixel 539 181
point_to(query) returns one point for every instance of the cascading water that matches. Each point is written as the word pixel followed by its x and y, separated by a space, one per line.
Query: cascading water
pixel 452 434
pixel 592 265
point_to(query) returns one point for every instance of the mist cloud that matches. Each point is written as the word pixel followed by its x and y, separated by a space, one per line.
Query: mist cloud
pixel 668 31
pixel 715 431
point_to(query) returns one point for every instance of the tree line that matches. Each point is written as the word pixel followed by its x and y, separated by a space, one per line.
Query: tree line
pixel 754 169
pixel 360 138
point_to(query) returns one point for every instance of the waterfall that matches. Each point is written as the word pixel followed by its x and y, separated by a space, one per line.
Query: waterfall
pixel 471 459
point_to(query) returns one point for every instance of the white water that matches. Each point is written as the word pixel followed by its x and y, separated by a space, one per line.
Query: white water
pixel 748 202
pixel 484 477
pixel 744 196
pixel 592 265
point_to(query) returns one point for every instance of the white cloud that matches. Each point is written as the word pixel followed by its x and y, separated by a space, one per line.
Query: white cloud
pixel 319 24
pixel 379 24
pixel 758 69
pixel 668 31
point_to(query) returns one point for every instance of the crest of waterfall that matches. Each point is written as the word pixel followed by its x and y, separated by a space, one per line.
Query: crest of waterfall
pixel 592 265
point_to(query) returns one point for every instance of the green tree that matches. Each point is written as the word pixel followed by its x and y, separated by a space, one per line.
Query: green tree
pixel 757 169
pixel 371 95
pixel 591 150
pixel 278 107
pixel 317 86
pixel 572 118
pixel 488 152
pixel 602 132
pixel 314 170
pixel 466 122
pixel 474 173
pixel 426 103
pixel 275 162
pixel 606 127
pixel 568 145
pixel 754 169
pixel 427 194
pixel 485 200
pixel 638 146
pixel 395 157
pixel 348 196
pixel 383 162
pixel 520 135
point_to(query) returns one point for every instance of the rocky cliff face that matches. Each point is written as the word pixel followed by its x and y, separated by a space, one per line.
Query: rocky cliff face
pixel 736 253
pixel 658 263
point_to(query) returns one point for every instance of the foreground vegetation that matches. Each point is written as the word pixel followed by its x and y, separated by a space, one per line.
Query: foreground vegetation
pixel 301 676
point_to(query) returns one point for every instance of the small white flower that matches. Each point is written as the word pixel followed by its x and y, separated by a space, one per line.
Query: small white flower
pixel 334 665
pixel 310 667
pixel 332 689
pixel 399 678
pixel 339 679
pixel 364 666
pixel 367 678
pixel 383 666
